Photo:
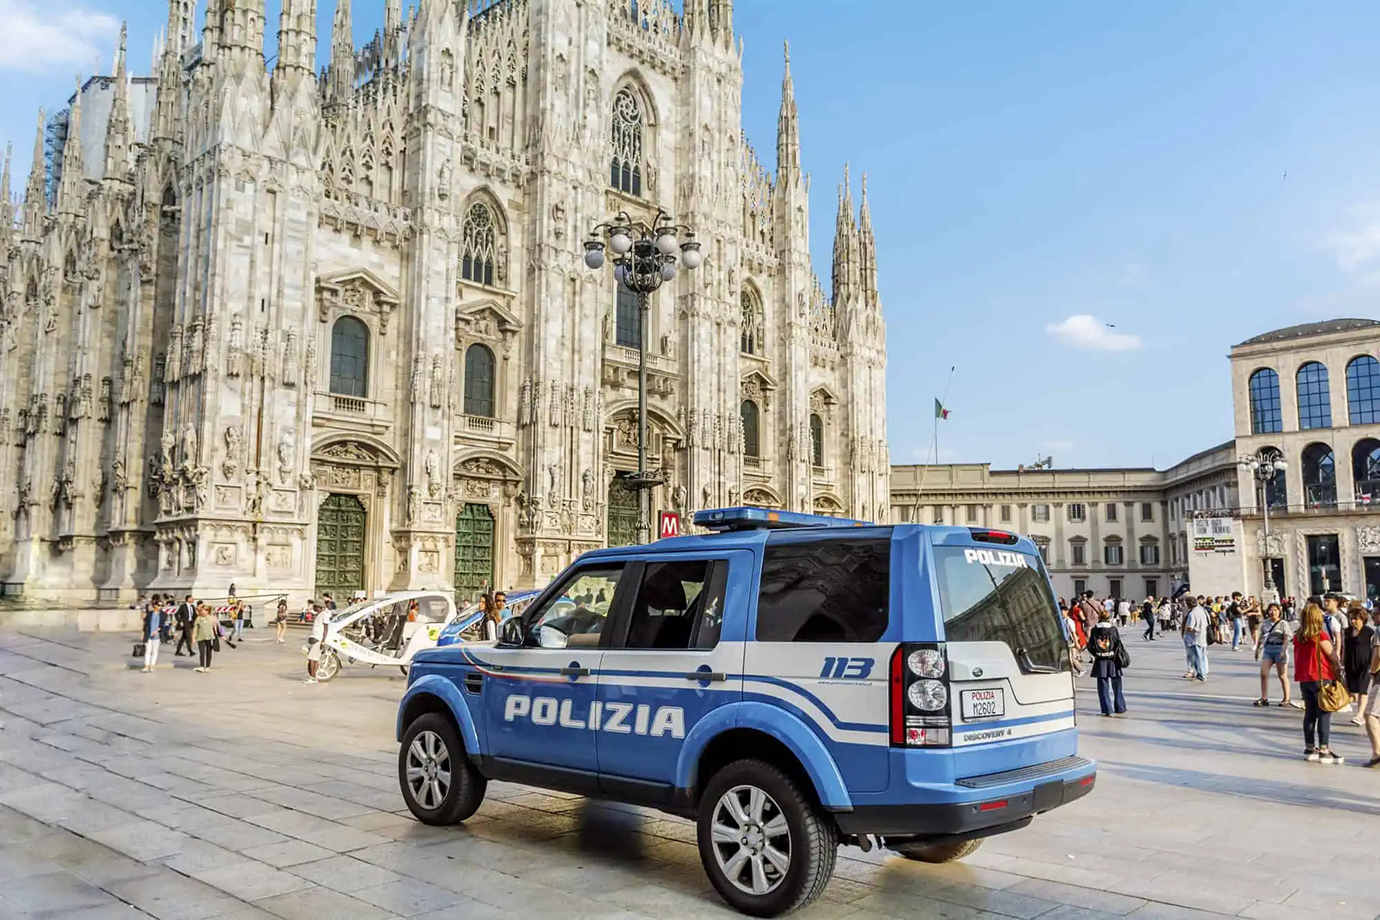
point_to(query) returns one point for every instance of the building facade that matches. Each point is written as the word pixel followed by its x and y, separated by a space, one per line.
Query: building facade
pixel 308 331
pixel 1116 532
pixel 1311 394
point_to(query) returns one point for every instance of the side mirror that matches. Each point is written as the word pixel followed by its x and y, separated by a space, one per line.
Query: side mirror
pixel 511 633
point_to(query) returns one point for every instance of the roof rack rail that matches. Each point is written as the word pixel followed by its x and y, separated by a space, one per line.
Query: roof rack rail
pixel 727 520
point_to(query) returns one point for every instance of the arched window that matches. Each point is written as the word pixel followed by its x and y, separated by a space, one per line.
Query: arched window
pixel 479 245
pixel 753 339
pixel 816 440
pixel 625 169
pixel 1365 469
pixel 1315 403
pixel 1363 390
pixel 1276 488
pixel 1265 414
pixel 479 381
pixel 627 318
pixel 350 358
pixel 752 440
pixel 1319 476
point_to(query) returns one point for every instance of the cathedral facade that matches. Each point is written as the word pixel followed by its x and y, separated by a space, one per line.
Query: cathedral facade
pixel 307 331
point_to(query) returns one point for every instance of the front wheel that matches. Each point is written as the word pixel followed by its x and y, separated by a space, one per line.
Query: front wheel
pixel 766 846
pixel 328 666
pixel 938 853
pixel 439 784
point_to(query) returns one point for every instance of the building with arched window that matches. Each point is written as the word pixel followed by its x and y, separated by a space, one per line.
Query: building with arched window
pixel 363 354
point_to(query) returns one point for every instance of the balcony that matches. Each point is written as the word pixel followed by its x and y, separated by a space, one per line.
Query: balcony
pixel 351 411
pixel 482 428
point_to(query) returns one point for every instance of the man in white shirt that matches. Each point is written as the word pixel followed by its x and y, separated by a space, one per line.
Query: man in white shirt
pixel 1195 641
pixel 319 622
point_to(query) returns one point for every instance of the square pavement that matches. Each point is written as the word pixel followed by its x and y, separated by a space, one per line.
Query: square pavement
pixel 242 793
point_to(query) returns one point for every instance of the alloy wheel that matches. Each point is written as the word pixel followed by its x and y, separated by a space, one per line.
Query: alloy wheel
pixel 751 839
pixel 428 770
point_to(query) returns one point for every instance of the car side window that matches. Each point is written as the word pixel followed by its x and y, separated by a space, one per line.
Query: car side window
pixel 679 606
pixel 575 616
pixel 827 590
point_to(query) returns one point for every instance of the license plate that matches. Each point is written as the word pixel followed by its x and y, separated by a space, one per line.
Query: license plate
pixel 982 704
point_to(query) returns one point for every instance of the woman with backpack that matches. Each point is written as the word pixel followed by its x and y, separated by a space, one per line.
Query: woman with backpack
pixel 1110 658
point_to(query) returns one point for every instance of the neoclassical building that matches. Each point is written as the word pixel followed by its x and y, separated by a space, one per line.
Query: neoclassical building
pixel 307 331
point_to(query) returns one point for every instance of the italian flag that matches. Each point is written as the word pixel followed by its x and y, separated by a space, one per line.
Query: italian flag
pixel 939 410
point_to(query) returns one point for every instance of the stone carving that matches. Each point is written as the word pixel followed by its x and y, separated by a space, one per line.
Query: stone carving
pixel 414 505
pixel 173 365
pixel 234 360
pixel 525 404
pixel 438 385
pixel 587 489
pixel 432 467
pixel 189 447
pixel 230 466
pixel 287 456
pixel 678 497
pixel 553 477
pixel 418 380
pixel 288 375
pixel 555 402
pixel 1367 540
pixel 309 364
pixel 224 555
pixel 1273 544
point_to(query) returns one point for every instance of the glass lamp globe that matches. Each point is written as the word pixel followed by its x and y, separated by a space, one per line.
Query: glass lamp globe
pixel 668 271
pixel 690 252
pixel 667 244
pixel 620 242
pixel 621 273
pixel 594 255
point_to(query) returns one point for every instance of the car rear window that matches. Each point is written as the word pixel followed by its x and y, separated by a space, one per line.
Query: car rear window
pixel 1000 595
pixel 833 589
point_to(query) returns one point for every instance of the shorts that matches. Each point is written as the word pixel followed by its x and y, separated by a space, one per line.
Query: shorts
pixel 1372 707
pixel 1275 654
pixel 314 651
pixel 1253 622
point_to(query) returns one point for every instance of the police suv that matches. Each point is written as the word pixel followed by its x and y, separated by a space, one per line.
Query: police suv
pixel 790 682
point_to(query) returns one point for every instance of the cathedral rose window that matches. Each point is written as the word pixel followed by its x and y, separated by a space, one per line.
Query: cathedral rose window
pixel 479 245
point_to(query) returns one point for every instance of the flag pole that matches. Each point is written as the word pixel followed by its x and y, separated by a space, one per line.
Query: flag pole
pixel 934 443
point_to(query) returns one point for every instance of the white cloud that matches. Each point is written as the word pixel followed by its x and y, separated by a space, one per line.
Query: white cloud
pixel 1359 244
pixel 36 38
pixel 1088 332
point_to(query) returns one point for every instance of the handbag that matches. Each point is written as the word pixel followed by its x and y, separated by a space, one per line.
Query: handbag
pixel 1332 694
pixel 139 649
pixel 1123 657
pixel 215 643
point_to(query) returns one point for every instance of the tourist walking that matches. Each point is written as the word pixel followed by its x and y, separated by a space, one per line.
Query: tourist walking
pixel 153 628
pixel 1236 614
pixel 186 618
pixel 1147 613
pixel 237 614
pixel 1196 633
pixel 1253 615
pixel 1109 659
pixel 280 621
pixel 488 627
pixel 1371 707
pixel 204 632
pixel 1273 653
pixel 1316 664
pixel 1356 655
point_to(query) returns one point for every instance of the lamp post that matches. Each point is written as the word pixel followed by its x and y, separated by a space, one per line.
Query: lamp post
pixel 644 258
pixel 1264 465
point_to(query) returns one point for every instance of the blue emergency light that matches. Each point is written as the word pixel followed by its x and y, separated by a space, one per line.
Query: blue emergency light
pixel 731 519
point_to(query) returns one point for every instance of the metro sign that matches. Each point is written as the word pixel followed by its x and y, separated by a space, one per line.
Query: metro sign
pixel 668 525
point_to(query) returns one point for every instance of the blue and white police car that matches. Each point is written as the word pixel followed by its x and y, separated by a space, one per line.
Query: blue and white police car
pixel 790 682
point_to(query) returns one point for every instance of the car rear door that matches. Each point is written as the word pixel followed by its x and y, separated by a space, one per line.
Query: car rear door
pixel 672 659
pixel 1008 672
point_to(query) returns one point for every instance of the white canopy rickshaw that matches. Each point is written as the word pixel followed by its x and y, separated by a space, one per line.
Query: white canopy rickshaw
pixel 385 631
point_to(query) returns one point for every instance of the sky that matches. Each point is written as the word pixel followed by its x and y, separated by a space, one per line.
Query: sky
pixel 1079 206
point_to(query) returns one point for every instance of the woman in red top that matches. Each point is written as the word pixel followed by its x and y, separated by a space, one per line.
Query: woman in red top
pixel 1315 661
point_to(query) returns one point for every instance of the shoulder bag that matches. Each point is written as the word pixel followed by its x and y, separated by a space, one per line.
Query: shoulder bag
pixel 1332 694
pixel 1123 657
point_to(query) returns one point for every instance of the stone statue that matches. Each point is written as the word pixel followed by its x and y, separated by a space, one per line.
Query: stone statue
pixel 289 372
pixel 525 404
pixel 553 475
pixel 234 361
pixel 438 386
pixel 189 451
pixel 287 456
pixel 587 489
pixel 230 467
pixel 414 505
pixel 432 467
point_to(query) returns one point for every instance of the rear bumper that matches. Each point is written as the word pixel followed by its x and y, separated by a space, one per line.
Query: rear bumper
pixel 1003 802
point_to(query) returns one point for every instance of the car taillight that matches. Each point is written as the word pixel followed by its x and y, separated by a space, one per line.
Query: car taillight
pixel 992 536
pixel 920 696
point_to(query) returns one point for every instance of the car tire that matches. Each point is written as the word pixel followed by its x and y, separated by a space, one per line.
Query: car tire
pixel 431 744
pixel 937 852
pixel 737 865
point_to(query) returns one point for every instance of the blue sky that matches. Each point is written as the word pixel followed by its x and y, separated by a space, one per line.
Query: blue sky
pixel 1036 171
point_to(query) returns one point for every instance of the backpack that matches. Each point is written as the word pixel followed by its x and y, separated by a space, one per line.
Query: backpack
pixel 1102 643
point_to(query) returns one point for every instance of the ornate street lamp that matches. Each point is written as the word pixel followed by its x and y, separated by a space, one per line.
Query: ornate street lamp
pixel 1264 466
pixel 644 258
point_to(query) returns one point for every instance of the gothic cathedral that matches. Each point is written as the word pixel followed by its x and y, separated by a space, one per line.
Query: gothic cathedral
pixel 308 332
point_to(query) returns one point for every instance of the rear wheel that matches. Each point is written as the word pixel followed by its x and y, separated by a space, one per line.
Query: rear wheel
pixel 438 782
pixel 766 846
pixel 937 852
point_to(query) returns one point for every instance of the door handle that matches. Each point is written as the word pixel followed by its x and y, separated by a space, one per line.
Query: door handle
pixel 573 671
pixel 705 675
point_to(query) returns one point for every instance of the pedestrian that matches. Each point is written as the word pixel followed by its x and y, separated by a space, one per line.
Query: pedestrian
pixel 237 613
pixel 280 621
pixel 1088 611
pixel 488 627
pixel 327 601
pixel 204 632
pixel 1108 655
pixel 1253 621
pixel 1371 707
pixel 1196 633
pixel 1273 653
pixel 1123 612
pixel 1236 615
pixel 1315 664
pixel 320 620
pixel 1147 613
pixel 1356 655
pixel 153 628
pixel 1333 619
pixel 185 616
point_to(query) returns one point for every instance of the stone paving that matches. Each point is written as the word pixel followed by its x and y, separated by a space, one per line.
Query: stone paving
pixel 243 793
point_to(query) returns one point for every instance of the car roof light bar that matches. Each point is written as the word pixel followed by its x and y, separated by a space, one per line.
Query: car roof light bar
pixel 724 520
